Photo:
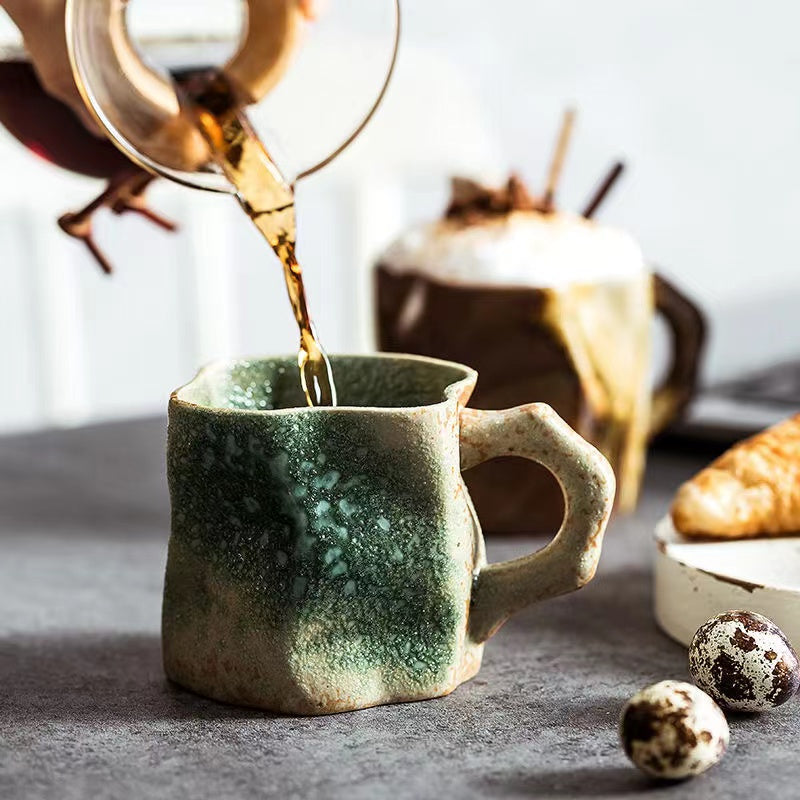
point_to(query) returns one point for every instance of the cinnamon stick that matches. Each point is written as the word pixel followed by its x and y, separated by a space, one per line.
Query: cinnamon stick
pixel 557 164
pixel 603 189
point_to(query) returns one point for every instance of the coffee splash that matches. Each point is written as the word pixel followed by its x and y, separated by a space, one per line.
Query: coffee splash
pixel 268 199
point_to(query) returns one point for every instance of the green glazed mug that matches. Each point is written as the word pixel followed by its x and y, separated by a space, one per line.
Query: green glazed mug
pixel 329 559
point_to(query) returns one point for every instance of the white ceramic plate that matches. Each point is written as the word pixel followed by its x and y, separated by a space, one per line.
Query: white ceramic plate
pixel 696 580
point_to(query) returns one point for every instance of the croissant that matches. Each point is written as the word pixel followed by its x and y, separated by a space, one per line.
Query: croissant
pixel 751 490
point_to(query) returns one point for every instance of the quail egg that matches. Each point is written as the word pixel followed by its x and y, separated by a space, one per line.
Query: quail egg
pixel 673 730
pixel 744 661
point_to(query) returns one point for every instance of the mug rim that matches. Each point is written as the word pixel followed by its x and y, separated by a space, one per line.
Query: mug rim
pixel 452 390
pixel 419 273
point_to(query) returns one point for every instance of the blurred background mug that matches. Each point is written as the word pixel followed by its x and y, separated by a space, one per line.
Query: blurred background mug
pixel 584 348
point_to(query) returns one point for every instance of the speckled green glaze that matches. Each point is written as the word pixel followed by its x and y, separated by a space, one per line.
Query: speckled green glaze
pixel 324 560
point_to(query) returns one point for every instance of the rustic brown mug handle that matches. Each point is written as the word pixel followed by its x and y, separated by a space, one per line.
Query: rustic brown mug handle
pixel 688 332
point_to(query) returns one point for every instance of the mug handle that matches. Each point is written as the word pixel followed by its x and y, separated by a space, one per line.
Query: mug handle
pixel 688 330
pixel 569 561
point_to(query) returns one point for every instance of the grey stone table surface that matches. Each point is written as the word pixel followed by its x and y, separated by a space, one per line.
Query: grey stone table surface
pixel 85 711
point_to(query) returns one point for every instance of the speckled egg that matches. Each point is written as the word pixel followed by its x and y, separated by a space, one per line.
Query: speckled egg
pixel 744 661
pixel 673 730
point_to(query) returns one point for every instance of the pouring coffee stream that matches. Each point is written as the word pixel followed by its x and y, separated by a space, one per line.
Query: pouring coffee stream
pixel 268 199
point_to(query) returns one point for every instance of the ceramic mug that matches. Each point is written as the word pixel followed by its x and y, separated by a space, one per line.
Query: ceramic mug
pixel 329 559
pixel 585 349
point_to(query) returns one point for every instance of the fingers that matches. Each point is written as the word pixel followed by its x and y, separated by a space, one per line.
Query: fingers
pixel 307 8
pixel 311 9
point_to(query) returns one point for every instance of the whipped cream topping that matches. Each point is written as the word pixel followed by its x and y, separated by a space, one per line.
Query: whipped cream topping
pixel 523 248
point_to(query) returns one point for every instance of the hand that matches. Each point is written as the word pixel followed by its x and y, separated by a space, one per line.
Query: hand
pixel 311 8
pixel 41 23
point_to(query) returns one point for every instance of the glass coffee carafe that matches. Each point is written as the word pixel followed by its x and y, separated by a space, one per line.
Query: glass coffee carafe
pixel 131 56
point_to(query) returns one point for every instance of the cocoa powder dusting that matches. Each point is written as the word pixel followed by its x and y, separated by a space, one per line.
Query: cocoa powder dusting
pixel 472 203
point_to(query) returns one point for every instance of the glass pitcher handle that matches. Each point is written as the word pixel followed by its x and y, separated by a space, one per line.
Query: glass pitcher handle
pixel 138 107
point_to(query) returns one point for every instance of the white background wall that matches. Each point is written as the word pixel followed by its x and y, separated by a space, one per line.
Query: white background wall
pixel 701 99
